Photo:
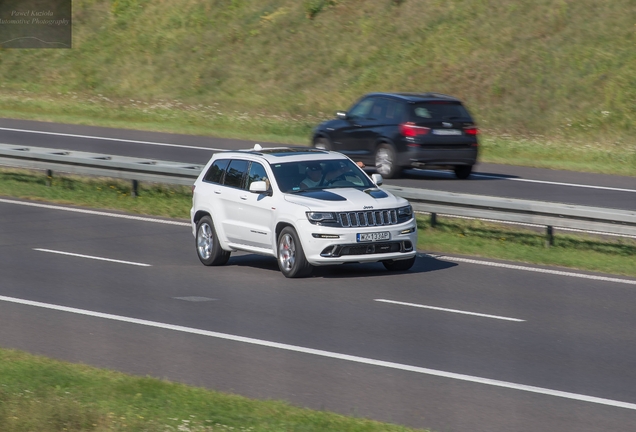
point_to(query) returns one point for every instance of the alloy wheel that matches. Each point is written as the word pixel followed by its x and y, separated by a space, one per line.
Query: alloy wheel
pixel 287 252
pixel 204 241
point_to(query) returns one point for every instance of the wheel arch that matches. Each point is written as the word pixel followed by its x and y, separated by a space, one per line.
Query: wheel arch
pixel 321 134
pixel 384 140
pixel 280 226
pixel 199 215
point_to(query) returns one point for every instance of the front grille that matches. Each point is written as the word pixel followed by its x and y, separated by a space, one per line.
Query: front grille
pixel 366 249
pixel 368 218
pixel 371 249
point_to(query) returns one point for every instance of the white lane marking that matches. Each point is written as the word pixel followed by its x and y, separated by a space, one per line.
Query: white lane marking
pixel 187 224
pixel 195 299
pixel 555 183
pixel 112 139
pixel 532 269
pixel 92 257
pixel 503 177
pixel 96 212
pixel 449 310
pixel 329 354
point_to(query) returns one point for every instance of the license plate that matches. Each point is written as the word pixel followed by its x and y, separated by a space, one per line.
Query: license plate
pixel 447 132
pixel 374 236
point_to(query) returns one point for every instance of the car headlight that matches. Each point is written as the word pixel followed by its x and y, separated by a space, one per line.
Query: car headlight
pixel 321 217
pixel 405 213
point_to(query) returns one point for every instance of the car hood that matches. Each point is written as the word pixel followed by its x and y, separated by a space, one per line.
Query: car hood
pixel 342 199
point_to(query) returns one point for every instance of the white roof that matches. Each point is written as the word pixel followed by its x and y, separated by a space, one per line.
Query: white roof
pixel 275 155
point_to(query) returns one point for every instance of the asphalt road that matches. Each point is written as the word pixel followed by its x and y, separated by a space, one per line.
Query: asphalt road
pixel 453 345
pixel 596 190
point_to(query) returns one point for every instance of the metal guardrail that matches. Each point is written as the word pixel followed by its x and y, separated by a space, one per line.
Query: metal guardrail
pixel 84 163
pixel 615 221
pixel 549 214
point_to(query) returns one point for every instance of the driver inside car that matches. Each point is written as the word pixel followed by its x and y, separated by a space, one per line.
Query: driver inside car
pixel 313 176
pixel 317 177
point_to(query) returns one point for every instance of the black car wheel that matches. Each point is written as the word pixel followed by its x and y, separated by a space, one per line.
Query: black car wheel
pixel 463 171
pixel 399 265
pixel 291 257
pixel 208 249
pixel 322 143
pixel 385 161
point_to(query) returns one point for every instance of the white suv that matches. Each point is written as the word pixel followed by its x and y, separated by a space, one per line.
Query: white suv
pixel 306 207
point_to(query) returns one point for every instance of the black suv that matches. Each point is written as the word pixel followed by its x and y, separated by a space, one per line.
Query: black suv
pixel 393 131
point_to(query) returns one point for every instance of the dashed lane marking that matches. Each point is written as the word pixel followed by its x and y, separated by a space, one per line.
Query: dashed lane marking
pixel 330 354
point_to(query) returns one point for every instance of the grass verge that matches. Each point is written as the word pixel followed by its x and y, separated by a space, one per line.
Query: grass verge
pixel 602 254
pixel 44 395
pixel 614 255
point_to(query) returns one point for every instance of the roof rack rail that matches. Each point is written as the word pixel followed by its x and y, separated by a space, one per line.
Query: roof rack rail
pixel 435 94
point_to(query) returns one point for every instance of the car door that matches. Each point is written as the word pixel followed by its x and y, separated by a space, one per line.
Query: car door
pixel 254 211
pixel 375 125
pixel 210 192
pixel 346 137
pixel 231 202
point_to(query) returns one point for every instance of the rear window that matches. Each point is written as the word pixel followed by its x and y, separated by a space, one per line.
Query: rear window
pixel 235 173
pixel 216 171
pixel 438 111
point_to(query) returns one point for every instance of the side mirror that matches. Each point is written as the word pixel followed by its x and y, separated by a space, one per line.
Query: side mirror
pixel 342 115
pixel 377 179
pixel 258 187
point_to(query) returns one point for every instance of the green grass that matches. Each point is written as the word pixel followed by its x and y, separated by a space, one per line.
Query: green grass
pixel 44 395
pixel 104 193
pixel 614 255
pixel 551 83
pixel 610 255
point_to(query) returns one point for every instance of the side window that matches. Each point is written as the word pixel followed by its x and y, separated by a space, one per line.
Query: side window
pixel 235 173
pixel 378 112
pixel 257 173
pixel 362 109
pixel 394 112
pixel 216 171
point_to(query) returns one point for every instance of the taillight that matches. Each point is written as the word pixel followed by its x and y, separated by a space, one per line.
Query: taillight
pixel 411 130
pixel 193 186
pixel 471 131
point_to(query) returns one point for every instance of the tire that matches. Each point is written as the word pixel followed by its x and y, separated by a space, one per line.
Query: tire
pixel 290 254
pixel 207 244
pixel 463 171
pixel 322 143
pixel 385 161
pixel 399 265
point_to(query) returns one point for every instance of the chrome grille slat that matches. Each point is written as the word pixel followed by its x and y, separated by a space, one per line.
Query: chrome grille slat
pixel 368 218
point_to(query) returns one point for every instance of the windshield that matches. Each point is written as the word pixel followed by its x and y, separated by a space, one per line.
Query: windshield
pixel 324 174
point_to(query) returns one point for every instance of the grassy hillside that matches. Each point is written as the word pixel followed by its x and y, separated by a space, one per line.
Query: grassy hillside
pixel 558 71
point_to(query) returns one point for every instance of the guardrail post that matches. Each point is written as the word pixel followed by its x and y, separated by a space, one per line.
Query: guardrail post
pixel 433 220
pixel 49 176
pixel 135 189
pixel 549 236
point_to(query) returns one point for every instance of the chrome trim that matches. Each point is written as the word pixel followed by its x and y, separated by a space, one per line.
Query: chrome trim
pixel 369 218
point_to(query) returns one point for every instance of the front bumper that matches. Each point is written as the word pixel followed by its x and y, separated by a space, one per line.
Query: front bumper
pixel 328 245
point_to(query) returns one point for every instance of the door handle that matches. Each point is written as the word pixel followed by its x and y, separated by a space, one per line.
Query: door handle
pixel 243 197
pixel 217 192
